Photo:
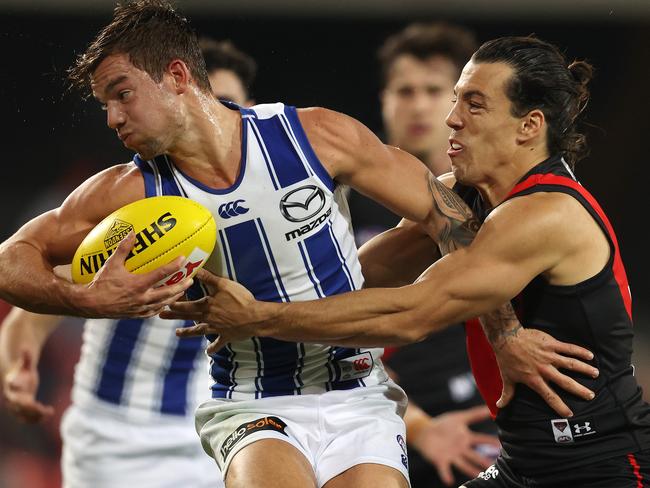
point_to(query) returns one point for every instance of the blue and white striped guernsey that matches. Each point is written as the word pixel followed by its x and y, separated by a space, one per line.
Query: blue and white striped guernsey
pixel 140 366
pixel 283 232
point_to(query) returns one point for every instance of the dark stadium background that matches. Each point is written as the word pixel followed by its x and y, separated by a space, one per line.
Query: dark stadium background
pixel 51 140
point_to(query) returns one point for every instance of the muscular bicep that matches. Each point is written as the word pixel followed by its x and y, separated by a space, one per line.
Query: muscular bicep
pixel 57 234
pixel 354 156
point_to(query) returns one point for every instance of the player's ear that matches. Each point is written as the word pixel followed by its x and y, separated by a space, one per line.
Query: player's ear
pixel 531 126
pixel 180 75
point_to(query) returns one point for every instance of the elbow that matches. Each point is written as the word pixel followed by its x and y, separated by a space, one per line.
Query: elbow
pixel 411 330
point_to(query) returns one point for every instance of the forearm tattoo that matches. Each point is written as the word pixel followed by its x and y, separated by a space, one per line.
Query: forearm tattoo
pixel 454 221
pixel 456 227
pixel 501 326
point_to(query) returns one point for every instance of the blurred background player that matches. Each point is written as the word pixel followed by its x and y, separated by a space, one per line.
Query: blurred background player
pixel 419 67
pixel 231 72
pixel 136 385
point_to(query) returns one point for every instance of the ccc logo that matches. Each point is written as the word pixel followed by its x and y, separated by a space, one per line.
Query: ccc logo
pixel 232 209
pixel 361 364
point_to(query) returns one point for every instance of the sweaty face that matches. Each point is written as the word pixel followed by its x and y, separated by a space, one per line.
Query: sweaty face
pixel 484 132
pixel 415 102
pixel 226 85
pixel 143 113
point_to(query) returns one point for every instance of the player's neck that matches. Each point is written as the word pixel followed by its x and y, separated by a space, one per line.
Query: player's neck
pixel 506 174
pixel 209 147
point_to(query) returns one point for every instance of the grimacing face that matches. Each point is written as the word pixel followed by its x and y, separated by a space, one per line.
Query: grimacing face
pixel 144 113
pixel 415 102
pixel 483 130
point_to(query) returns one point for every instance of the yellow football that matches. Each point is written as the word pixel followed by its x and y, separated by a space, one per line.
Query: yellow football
pixel 165 227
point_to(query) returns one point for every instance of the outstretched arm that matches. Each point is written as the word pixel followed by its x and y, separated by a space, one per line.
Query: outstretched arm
pixel 507 254
pixel 28 257
pixel 22 337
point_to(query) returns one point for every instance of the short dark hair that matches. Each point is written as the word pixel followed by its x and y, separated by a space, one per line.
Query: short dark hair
pixel 543 80
pixel 424 40
pixel 224 55
pixel 152 34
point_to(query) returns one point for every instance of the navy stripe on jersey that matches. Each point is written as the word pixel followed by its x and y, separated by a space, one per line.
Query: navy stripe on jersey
pixel 331 373
pixel 310 270
pixel 280 361
pixel 265 240
pixel 246 249
pixel 296 130
pixel 288 166
pixel 223 368
pixel 258 357
pixel 170 185
pixel 265 155
pixel 118 358
pixel 341 257
pixel 252 261
pixel 149 175
pixel 176 380
pixel 327 263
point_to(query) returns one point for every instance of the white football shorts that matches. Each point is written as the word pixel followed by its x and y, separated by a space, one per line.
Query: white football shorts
pixel 103 450
pixel 335 430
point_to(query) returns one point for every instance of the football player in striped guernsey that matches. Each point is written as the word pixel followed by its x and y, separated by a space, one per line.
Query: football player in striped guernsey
pixel 136 386
pixel 281 413
pixel 545 244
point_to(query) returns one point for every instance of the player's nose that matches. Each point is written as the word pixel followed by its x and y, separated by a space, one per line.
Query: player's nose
pixel 114 116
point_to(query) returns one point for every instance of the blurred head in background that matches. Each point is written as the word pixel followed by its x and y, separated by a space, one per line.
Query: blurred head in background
pixel 419 67
pixel 231 72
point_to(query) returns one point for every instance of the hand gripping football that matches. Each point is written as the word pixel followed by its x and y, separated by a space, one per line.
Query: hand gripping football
pixel 165 227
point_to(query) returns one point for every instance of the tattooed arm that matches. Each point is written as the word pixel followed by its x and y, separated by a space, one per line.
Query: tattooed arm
pixel 398 256
pixel 452 224
pixel 534 358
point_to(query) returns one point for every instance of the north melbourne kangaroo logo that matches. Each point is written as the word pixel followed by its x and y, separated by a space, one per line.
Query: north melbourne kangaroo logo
pixel 232 209
pixel 302 203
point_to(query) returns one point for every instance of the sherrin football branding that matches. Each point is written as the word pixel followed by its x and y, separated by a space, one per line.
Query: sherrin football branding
pixel 91 263
pixel 165 227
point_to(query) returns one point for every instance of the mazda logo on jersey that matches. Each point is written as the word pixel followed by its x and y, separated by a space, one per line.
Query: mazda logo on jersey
pixel 302 203
pixel 232 209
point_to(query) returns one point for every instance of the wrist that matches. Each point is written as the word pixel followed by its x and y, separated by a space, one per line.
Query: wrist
pixel 267 316
pixel 79 300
